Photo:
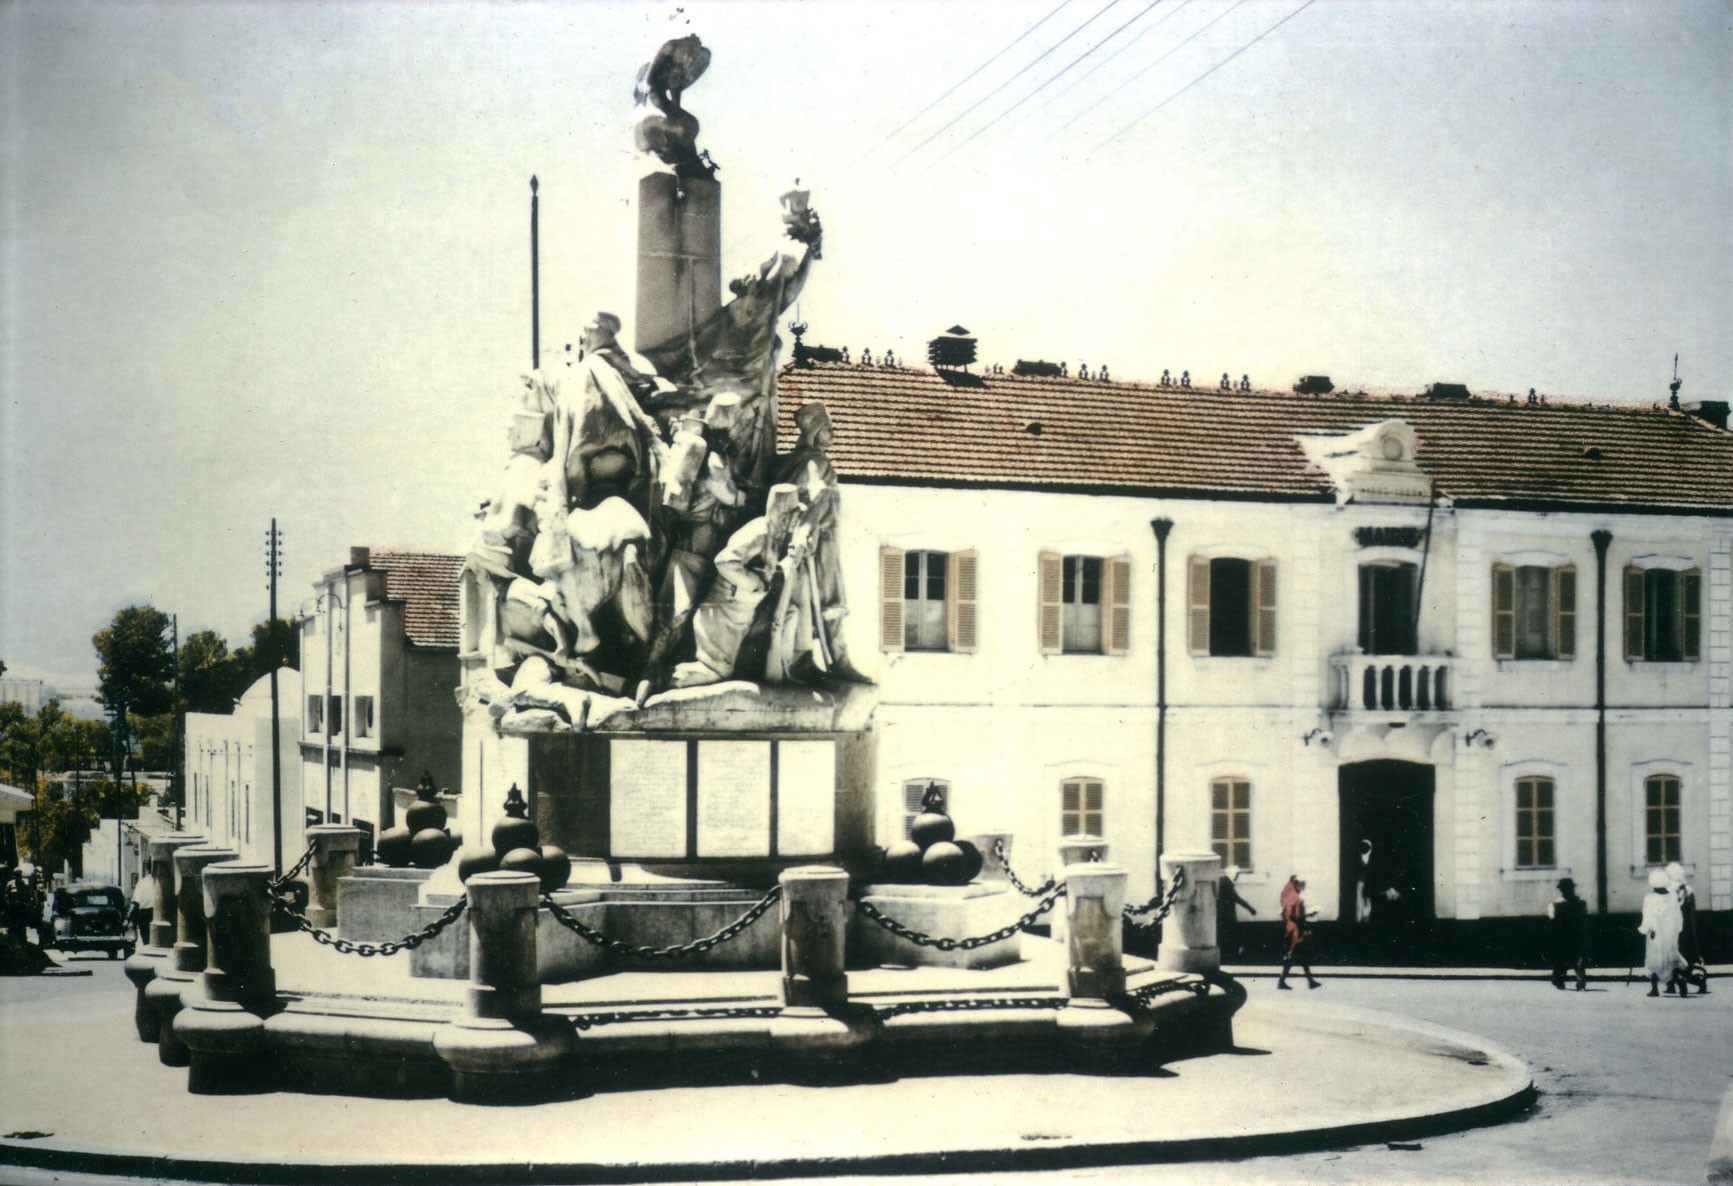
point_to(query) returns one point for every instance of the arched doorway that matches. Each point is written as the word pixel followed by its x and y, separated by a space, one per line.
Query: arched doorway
pixel 1386 908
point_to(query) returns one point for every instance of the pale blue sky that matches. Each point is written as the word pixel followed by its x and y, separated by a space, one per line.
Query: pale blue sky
pixel 272 259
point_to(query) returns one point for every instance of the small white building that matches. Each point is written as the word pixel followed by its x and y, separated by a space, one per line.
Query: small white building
pixel 379 684
pixel 1490 637
pixel 230 791
pixel 14 801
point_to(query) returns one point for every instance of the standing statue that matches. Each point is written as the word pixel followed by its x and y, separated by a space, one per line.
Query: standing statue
pixel 670 132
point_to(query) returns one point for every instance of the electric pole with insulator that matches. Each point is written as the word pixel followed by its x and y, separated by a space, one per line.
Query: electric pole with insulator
pixel 273 570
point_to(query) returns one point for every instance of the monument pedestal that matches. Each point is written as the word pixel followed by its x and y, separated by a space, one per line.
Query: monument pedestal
pixel 953 911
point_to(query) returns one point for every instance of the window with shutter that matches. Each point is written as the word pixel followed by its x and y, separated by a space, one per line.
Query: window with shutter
pixel 926 601
pixel 890 599
pixel 1565 612
pixel 1634 613
pixel 1080 807
pixel 1231 821
pixel 1197 624
pixel 1118 600
pixel 1080 604
pixel 1503 611
pixel 1048 588
pixel 1264 621
pixel 1534 823
pixel 1690 612
pixel 962 605
pixel 1663 614
pixel 1661 819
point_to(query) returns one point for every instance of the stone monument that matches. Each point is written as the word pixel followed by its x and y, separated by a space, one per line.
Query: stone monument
pixel 653 612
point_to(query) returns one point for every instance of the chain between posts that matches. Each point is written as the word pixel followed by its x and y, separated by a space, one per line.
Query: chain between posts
pixel 298 868
pixel 585 1021
pixel 946 943
pixel 1017 882
pixel 680 951
pixel 1139 999
pixel 968 1004
pixel 1161 905
pixel 408 943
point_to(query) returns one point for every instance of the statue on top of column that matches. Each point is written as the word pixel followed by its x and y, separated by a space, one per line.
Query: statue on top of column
pixel 670 131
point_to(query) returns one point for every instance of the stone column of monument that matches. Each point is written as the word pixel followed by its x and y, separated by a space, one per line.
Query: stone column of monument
pixel 166 993
pixel 1093 1031
pixel 224 1028
pixel 504 1048
pixel 1188 936
pixel 679 258
pixel 334 850
pixel 142 968
pixel 814 936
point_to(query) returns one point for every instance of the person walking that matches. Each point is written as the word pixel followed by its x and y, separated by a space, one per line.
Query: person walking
pixel 1568 928
pixel 143 906
pixel 1690 944
pixel 1228 902
pixel 1660 928
pixel 1296 932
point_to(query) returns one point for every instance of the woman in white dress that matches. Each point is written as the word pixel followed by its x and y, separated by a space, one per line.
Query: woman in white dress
pixel 1660 926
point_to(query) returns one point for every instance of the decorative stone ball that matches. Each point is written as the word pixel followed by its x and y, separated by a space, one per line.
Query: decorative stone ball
pixel 430 848
pixel 392 846
pixel 423 815
pixel 973 858
pixel 515 832
pixel 475 859
pixel 903 863
pixel 932 827
pixel 944 863
pixel 556 868
pixel 521 860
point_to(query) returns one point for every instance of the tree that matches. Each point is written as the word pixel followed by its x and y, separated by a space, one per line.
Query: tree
pixel 211 678
pixel 137 666
pixel 276 643
pixel 20 745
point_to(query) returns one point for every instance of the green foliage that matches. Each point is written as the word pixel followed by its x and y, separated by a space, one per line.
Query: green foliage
pixel 66 813
pixel 276 643
pixel 211 678
pixel 137 666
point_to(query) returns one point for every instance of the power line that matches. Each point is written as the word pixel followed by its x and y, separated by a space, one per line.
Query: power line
pixel 1164 57
pixel 1020 73
pixel 1053 78
pixel 1182 90
pixel 1103 64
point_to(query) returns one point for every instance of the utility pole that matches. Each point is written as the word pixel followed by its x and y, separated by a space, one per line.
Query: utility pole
pixel 273 570
pixel 177 760
pixel 535 281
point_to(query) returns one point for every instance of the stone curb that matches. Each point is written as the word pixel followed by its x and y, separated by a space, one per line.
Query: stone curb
pixel 1513 1094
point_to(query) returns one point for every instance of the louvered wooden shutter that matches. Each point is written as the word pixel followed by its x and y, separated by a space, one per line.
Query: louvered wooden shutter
pixel 1197 606
pixel 1503 611
pixel 1633 613
pixel 1117 602
pixel 1690 612
pixel 1264 607
pixel 890 598
pixel 1564 612
pixel 960 613
pixel 1049 593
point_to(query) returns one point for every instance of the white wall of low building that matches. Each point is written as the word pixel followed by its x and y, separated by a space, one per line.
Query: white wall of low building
pixel 228 771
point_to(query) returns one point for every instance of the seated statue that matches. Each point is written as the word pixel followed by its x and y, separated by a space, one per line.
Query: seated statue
pixel 745 571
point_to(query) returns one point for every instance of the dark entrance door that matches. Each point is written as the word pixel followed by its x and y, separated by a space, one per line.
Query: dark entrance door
pixel 1388 593
pixel 1386 908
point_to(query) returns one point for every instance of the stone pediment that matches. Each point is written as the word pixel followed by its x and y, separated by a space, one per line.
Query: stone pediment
pixel 1372 464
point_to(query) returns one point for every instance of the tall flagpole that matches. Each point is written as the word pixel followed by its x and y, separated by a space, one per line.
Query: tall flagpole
pixel 535 281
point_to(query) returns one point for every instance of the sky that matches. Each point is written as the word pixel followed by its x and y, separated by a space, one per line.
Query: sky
pixel 272 260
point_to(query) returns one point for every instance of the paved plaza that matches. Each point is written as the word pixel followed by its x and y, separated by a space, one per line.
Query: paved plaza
pixel 1628 1091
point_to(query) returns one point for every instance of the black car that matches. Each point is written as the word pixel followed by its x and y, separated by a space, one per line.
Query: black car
pixel 88 917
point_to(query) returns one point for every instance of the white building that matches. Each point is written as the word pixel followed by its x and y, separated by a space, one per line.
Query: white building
pixel 380 675
pixel 228 774
pixel 1490 636
pixel 32 694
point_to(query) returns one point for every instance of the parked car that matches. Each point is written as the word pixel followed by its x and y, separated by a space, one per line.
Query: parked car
pixel 88 917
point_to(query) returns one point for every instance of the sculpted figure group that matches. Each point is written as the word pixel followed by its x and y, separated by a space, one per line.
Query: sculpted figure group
pixel 644 535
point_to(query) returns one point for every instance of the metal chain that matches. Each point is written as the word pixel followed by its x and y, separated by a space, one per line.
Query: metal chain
pixel 1161 904
pixel 681 951
pixel 946 943
pixel 300 865
pixel 1017 882
pixel 584 1021
pixel 1139 999
pixel 966 1004
pixel 407 943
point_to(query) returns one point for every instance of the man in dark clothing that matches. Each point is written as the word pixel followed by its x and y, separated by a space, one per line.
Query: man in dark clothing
pixel 1568 928
pixel 1228 901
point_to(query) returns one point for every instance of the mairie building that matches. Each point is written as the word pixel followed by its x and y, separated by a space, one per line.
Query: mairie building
pixel 1431 653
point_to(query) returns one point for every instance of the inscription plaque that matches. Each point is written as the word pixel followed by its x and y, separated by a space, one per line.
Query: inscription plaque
pixel 733 798
pixel 647 798
pixel 806 798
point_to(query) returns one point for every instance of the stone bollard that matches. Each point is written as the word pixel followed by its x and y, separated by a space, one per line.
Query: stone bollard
pixel 1188 936
pixel 166 994
pixel 224 1026
pixel 144 964
pixel 814 936
pixel 335 847
pixel 1097 1034
pixel 1082 850
pixel 1094 905
pixel 504 1048
pixel 993 865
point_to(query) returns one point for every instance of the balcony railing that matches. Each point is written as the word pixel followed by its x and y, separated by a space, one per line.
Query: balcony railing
pixel 1390 683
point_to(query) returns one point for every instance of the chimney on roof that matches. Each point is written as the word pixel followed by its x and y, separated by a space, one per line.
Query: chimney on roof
pixel 1313 385
pixel 1447 391
pixel 1710 411
pixel 953 348
pixel 360 557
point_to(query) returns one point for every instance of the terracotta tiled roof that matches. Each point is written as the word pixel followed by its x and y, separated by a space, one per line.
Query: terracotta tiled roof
pixel 426 583
pixel 897 424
